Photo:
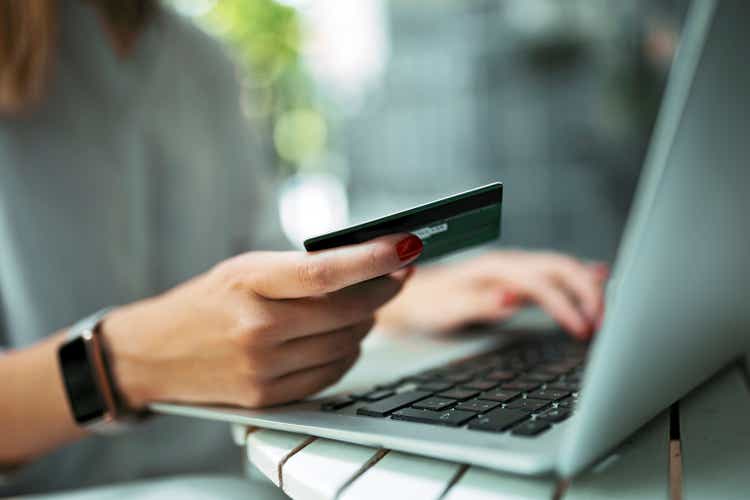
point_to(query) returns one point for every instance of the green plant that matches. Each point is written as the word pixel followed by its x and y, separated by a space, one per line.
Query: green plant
pixel 267 39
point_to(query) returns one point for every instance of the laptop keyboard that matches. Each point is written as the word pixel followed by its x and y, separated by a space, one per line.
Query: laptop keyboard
pixel 524 389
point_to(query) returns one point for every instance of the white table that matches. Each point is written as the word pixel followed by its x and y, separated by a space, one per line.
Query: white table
pixel 714 463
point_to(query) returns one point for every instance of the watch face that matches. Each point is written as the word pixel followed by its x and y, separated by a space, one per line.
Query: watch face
pixel 80 382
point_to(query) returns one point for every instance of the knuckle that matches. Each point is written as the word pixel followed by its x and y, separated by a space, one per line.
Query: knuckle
pixel 224 268
pixel 254 396
pixel 229 269
pixel 315 275
pixel 378 254
pixel 256 328
pixel 566 262
pixel 263 395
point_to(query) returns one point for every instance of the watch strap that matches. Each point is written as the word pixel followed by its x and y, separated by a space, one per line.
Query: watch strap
pixel 117 416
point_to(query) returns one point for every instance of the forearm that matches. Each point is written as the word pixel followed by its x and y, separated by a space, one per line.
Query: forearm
pixel 34 417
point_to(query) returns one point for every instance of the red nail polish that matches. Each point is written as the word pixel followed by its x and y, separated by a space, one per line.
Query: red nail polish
pixel 509 299
pixel 409 247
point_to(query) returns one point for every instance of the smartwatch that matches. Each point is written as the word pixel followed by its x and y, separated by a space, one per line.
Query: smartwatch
pixel 90 388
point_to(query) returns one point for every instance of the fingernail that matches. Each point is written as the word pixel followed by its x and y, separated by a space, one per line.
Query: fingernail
pixel 509 299
pixel 409 247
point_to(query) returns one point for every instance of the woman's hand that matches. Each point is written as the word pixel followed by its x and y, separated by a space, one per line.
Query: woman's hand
pixel 258 329
pixel 496 285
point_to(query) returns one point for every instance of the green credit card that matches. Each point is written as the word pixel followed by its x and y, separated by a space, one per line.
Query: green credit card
pixel 444 226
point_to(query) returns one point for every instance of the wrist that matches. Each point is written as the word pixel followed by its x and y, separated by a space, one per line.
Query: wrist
pixel 132 379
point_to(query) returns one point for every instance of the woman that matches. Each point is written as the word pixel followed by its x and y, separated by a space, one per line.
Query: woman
pixel 127 180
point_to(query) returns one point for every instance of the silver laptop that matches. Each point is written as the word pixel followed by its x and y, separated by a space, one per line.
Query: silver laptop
pixel 677 308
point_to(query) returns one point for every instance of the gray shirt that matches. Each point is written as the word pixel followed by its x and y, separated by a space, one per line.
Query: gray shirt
pixel 131 176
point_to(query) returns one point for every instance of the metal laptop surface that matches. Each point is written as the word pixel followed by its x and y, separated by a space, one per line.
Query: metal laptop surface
pixel 676 311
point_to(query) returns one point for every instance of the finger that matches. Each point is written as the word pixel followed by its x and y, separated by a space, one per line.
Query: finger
pixel 315 315
pixel 600 270
pixel 477 305
pixel 317 350
pixel 403 275
pixel 299 385
pixel 490 305
pixel 587 291
pixel 558 305
pixel 297 274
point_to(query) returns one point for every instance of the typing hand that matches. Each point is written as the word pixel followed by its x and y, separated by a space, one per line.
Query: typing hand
pixel 496 285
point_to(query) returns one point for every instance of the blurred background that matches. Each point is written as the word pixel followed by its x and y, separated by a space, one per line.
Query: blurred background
pixel 371 106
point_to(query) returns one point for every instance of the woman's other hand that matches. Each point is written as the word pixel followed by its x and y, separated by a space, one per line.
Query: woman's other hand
pixel 259 329
pixel 496 285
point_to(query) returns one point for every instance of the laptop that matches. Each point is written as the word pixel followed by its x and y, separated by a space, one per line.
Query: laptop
pixel 676 311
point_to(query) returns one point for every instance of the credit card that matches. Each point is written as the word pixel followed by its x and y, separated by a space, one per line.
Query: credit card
pixel 446 225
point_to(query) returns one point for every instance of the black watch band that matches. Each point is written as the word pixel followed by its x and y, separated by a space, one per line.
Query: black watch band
pixel 92 395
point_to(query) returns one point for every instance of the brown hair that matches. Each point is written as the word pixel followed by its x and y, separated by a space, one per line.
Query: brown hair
pixel 28 39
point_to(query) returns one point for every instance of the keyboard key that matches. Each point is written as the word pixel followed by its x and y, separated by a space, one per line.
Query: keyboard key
pixel 422 377
pixel 501 375
pixel 497 420
pixel 549 394
pixel 563 386
pixel 525 386
pixel 500 395
pixel 390 385
pixel 435 386
pixel 434 403
pixel 452 418
pixel 527 405
pixel 554 415
pixel 459 394
pixel 568 403
pixel 481 365
pixel 457 378
pixel 558 368
pixel 377 395
pixel 388 405
pixel 480 385
pixel 336 403
pixel 477 405
pixel 516 365
pixel 538 377
pixel 531 428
